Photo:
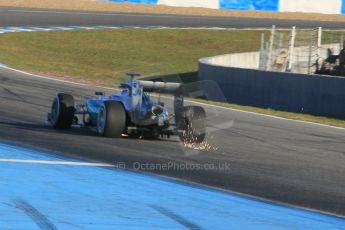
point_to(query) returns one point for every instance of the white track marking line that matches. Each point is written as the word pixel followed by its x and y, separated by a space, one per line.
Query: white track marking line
pixel 20 29
pixel 40 28
pixel 45 162
pixel 44 77
pixel 6 30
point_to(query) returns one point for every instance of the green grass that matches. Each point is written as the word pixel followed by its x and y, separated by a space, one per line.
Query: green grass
pixel 102 55
pixel 99 54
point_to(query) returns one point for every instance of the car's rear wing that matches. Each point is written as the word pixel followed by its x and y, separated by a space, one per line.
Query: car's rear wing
pixel 168 88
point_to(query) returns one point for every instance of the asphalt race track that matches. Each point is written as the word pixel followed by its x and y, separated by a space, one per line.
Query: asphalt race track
pixel 293 162
pixel 36 17
pixel 287 161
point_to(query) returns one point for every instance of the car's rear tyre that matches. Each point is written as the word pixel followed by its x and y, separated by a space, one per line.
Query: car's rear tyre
pixel 192 124
pixel 111 119
pixel 62 111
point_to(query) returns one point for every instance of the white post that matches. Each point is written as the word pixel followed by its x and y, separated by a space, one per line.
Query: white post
pixel 262 45
pixel 310 52
pixel 291 48
pixel 319 44
pixel 269 60
pixel 262 61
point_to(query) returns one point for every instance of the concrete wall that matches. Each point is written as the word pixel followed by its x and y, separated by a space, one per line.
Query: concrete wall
pixel 248 60
pixel 315 6
pixel 310 6
pixel 251 60
pixel 318 95
pixel 213 4
pixel 152 2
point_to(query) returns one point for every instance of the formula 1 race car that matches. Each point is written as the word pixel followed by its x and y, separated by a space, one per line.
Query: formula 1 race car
pixel 132 112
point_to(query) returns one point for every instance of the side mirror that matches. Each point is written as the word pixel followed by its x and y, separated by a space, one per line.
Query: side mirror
pixel 99 93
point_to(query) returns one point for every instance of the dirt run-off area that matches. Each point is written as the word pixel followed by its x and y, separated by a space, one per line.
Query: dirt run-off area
pixel 93 5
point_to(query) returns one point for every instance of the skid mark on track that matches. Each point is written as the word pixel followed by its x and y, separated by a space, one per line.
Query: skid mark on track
pixel 41 220
pixel 10 92
pixel 181 220
pixel 4 79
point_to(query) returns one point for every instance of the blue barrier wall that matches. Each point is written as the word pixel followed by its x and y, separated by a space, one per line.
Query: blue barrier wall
pixel 263 5
pixel 316 95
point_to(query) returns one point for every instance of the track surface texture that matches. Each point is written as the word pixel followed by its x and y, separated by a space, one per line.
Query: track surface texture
pixel 288 161
pixel 46 17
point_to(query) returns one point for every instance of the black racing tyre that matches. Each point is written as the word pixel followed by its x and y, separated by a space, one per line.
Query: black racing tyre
pixel 111 119
pixel 193 124
pixel 62 111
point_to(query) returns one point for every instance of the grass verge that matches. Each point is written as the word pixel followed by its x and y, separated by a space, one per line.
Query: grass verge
pixel 97 55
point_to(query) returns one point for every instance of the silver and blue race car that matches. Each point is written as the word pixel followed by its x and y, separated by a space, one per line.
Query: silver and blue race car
pixel 132 112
